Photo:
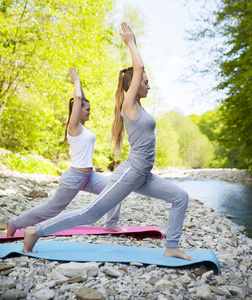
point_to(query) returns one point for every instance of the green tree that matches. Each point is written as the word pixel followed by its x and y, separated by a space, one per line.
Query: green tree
pixel 195 149
pixel 234 21
pixel 40 40
pixel 167 144
pixel 210 124
pixel 225 32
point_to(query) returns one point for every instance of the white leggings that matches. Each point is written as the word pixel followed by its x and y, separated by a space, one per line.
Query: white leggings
pixel 122 182
pixel 71 182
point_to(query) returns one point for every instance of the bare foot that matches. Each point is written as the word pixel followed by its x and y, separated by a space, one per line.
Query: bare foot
pixel 10 231
pixel 30 239
pixel 116 229
pixel 176 252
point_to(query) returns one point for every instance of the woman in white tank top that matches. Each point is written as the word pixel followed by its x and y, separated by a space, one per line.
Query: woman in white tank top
pixel 80 176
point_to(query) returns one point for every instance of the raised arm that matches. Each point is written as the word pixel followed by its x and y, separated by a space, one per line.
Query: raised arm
pixel 74 126
pixel 82 92
pixel 130 105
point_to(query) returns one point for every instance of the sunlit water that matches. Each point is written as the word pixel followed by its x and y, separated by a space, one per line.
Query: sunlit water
pixel 231 199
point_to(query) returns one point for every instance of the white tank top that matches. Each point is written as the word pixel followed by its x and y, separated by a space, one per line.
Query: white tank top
pixel 82 148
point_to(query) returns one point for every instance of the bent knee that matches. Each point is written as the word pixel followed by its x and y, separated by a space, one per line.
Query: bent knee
pixel 183 197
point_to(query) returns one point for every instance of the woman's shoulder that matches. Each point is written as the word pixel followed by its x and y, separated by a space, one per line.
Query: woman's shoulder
pixel 131 120
pixel 82 128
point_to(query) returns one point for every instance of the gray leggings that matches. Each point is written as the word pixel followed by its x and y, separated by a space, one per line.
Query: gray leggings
pixel 71 182
pixel 122 182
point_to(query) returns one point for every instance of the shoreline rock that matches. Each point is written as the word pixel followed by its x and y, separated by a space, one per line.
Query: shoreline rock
pixel 30 278
pixel 231 175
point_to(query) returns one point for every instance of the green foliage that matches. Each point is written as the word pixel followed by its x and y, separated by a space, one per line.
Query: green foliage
pixel 39 41
pixel 235 23
pixel 226 34
pixel 26 127
pixel 30 164
pixel 210 124
pixel 195 149
pixel 167 144
pixel 180 142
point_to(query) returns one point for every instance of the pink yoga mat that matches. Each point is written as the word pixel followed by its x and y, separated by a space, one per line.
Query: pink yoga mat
pixel 141 231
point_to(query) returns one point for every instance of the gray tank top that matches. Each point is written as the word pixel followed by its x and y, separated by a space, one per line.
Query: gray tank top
pixel 142 141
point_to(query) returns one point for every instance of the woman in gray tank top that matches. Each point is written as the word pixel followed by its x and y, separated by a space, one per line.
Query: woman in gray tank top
pixel 134 173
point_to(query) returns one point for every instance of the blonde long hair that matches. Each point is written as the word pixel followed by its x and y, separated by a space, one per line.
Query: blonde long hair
pixel 117 128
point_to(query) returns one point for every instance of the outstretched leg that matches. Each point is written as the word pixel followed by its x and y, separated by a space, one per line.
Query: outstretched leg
pixel 70 183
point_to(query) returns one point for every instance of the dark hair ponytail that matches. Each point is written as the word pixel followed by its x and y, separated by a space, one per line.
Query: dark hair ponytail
pixel 70 108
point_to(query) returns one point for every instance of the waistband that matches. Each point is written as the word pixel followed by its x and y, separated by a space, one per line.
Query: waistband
pixel 83 174
pixel 139 165
pixel 79 172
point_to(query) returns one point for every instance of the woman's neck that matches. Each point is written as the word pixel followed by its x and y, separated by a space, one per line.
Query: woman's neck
pixel 138 101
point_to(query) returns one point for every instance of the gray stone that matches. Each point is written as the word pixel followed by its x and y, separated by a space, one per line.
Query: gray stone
pixel 236 291
pixel 163 284
pixel 6 266
pixel 13 295
pixel 86 293
pixel 58 277
pixel 152 280
pixel 220 280
pixel 220 291
pixel 207 275
pixel 78 269
pixel 186 279
pixel 250 281
pixel 243 267
pixel 111 271
pixel 7 283
pixel 192 243
pixel 230 263
pixel 204 292
pixel 151 268
pixel 200 271
pixel 45 294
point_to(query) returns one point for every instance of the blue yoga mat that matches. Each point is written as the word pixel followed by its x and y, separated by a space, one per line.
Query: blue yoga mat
pixel 86 252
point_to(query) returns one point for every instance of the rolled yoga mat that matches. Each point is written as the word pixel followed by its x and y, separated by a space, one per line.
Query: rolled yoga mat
pixel 140 231
pixel 87 252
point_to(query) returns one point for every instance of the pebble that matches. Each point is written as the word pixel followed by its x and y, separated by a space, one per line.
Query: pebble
pixel 23 277
pixel 204 292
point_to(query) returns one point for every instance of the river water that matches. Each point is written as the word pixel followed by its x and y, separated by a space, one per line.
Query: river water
pixel 230 199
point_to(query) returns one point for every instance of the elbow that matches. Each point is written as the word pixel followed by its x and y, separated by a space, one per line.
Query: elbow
pixel 77 97
pixel 139 68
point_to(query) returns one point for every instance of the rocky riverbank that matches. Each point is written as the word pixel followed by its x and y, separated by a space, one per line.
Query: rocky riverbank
pixel 231 175
pixel 28 278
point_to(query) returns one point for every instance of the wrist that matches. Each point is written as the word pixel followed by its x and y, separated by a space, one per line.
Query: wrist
pixel 131 44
